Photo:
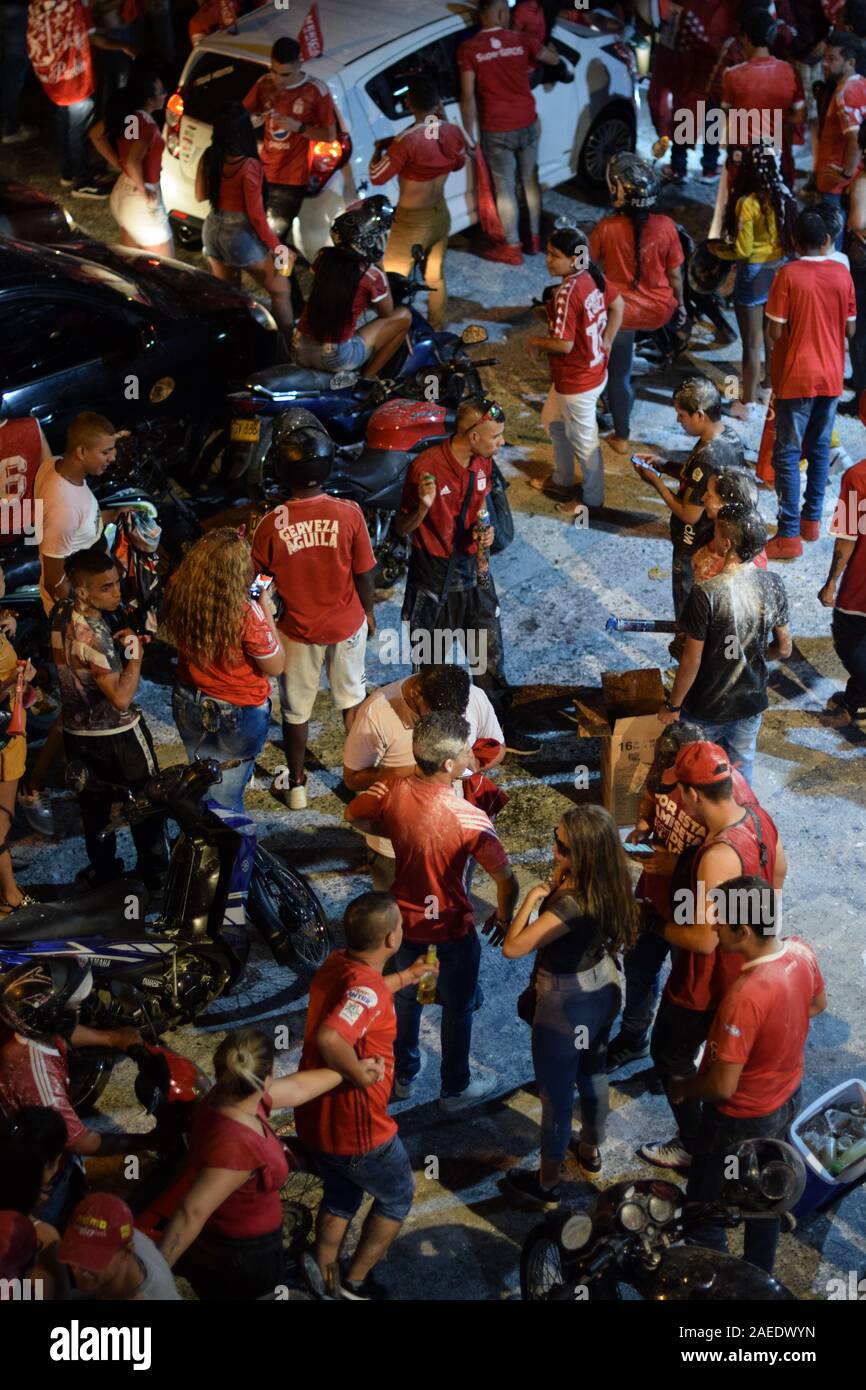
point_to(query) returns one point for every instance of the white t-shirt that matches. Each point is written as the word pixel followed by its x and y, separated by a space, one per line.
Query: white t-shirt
pixel 381 735
pixel 70 519
pixel 159 1285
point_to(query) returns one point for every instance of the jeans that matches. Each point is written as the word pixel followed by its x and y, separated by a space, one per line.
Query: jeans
pixel 384 1172
pixel 242 733
pixel 14 65
pixel 676 1037
pixel 718 1134
pixel 474 612
pixel 501 148
pixel 71 125
pixel 457 991
pixel 619 391
pixel 857 344
pixel 682 579
pixel 738 737
pixel 126 759
pixel 642 966
pixel 68 1186
pixel 849 639
pixel 562 1057
pixel 709 153
pixel 803 429
pixel 572 424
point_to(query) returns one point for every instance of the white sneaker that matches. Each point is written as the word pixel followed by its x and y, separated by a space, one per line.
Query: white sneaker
pixel 670 1153
pixel 21 135
pixel 402 1090
pixel 293 797
pixel 481 1084
pixel 744 410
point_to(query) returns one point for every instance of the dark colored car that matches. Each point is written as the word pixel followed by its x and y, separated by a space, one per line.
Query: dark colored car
pixel 142 339
pixel 33 216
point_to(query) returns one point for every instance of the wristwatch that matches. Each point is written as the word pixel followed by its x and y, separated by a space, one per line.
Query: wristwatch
pixel 671 709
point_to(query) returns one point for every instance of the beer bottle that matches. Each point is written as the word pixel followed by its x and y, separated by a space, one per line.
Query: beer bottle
pixel 427 983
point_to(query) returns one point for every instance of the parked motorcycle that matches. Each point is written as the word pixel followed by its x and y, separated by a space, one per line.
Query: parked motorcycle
pixel 631 1238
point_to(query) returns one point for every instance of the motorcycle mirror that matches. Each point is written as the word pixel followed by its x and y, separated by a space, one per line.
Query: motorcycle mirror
pixel 210 716
pixel 576 1232
pixel 77 776
pixel 473 333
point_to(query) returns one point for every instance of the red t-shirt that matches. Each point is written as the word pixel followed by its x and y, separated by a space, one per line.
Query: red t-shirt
pixel 59 49
pixel 33 1074
pixel 437 534
pixel 213 15
pixel 771 81
pixel 236 677
pixel 421 153
pixel 651 303
pixel 844 114
pixel 528 18
pixel 219 1141
pixel 286 154
pixel 349 997
pixel 20 459
pixel 434 833
pixel 372 287
pixel 675 830
pixel 502 61
pixel 814 297
pixel 849 522
pixel 578 312
pixel 153 144
pixel 242 190
pixel 314 547
pixel 699 981
pixel 763 1022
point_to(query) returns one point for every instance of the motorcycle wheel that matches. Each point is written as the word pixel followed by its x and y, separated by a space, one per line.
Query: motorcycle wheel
pixel 284 908
pixel 541 1272
pixel 88 1078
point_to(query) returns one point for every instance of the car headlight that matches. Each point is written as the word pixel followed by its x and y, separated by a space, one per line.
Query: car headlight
pixel 263 317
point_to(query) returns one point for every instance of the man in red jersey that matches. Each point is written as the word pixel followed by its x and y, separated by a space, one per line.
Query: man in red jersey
pixel 766 84
pixel 739 840
pixel 434 834
pixel 848 565
pixel 351 1027
pixel 837 154
pixel 318 550
pixel 23 449
pixel 749 1083
pixel 295 110
pixel 495 97
pixel 422 157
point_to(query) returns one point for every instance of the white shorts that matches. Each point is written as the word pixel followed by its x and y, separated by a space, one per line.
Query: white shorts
pixel 146 222
pixel 344 667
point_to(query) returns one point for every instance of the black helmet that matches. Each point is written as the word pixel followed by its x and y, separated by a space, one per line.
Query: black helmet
pixel 363 228
pixel 706 271
pixel 633 178
pixel 36 999
pixel 769 1175
pixel 302 451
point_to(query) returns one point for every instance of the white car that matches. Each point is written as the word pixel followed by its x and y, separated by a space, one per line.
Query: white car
pixel 372 48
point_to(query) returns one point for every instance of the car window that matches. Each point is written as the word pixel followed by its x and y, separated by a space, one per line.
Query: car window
pixel 41 338
pixel 437 59
pixel 214 80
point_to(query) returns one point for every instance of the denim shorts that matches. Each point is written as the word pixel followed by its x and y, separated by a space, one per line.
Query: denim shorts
pixel 228 237
pixel 330 357
pixel 752 283
pixel 385 1173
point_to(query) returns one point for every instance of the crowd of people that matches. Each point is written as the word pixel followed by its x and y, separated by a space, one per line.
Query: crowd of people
pixel 727 1027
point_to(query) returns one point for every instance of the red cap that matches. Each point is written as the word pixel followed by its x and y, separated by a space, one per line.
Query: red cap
pixel 698 764
pixel 101 1226
pixel 17 1244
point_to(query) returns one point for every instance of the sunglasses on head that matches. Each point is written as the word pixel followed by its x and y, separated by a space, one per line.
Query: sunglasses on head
pixel 563 848
pixel 492 411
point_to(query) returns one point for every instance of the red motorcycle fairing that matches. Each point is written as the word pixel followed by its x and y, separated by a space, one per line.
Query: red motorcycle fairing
pixel 399 424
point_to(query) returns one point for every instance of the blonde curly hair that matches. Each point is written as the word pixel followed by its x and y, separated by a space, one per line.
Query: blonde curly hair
pixel 205 606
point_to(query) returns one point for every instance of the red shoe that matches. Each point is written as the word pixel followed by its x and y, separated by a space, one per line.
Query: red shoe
pixel 809 530
pixel 509 255
pixel 784 548
pixel 532 247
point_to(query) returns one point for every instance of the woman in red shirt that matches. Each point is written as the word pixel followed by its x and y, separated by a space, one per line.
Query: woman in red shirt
pixel 130 141
pixel 639 251
pixel 236 235
pixel 237 1165
pixel 227 650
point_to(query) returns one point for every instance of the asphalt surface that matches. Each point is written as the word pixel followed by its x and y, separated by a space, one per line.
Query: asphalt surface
pixel 558 584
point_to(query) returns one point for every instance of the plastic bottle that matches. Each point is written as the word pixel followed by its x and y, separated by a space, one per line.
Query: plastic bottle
pixel 427 983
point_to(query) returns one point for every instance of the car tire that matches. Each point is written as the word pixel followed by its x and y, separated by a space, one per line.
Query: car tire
pixel 612 132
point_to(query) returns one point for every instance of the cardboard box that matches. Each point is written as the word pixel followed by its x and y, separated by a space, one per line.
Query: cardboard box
pixel 624 715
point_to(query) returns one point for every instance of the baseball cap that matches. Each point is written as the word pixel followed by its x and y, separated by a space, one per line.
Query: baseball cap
pixel 101 1226
pixel 698 764
pixel 17 1244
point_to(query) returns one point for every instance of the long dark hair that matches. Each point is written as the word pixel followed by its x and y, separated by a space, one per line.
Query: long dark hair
pixel 329 307
pixel 599 876
pixel 759 173
pixel 638 218
pixel 124 103
pixel 570 240
pixel 233 135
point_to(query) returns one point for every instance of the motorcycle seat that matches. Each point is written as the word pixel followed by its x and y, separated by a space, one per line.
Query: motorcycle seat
pixel 21 568
pixel 97 913
pixel 287 377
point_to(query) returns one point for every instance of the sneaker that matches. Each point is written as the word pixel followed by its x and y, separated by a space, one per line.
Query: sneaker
pixel 295 798
pixel 369 1290
pixel 520 745
pixel 838 704
pixel 532 247
pixel 671 175
pixel 481 1085
pixel 850 407
pixel 67 183
pixel 619 446
pixel 508 255
pixel 527 1186
pixel 21 135
pixel 744 410
pixel 36 813
pixel 622 1051
pixel 710 176
pixel 402 1090
pixel 668 1154
pixel 94 189
pixel 809 530
pixel 590 1167
pixel 784 548
pixel 840 462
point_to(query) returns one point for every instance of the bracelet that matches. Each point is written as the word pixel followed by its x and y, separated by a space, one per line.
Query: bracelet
pixel 672 709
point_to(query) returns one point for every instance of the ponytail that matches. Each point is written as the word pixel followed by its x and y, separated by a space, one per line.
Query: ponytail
pixel 242 1063
pixel 638 218
pixel 570 240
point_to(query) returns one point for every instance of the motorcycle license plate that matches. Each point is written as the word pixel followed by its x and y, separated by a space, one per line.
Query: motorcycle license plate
pixel 246 431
